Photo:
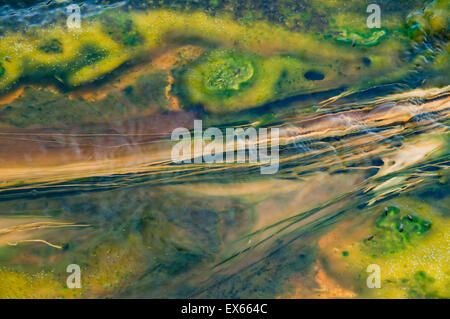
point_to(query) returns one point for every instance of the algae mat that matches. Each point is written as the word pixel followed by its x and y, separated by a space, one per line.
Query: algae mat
pixel 93 204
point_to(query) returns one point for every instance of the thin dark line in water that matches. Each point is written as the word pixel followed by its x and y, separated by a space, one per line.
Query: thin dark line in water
pixel 290 222
pixel 313 227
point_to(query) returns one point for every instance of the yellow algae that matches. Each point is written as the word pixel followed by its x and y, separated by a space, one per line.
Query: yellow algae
pixel 71 62
pixel 286 61
pixel 39 285
pixel 65 47
pixel 159 28
pixel 138 32
pixel 12 49
pixel 165 61
pixel 437 13
pixel 114 56
pixel 93 72
pixel 111 268
pixel 257 37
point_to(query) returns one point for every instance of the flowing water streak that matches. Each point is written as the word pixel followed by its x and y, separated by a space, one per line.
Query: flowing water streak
pixel 333 141
pixel 306 144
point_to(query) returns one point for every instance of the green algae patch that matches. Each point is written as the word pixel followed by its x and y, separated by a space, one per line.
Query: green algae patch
pixel 420 286
pixel 407 240
pixel 396 230
pixel 359 39
pixel 121 28
pixel 51 46
pixel 220 78
pixel 228 74
pixel 149 89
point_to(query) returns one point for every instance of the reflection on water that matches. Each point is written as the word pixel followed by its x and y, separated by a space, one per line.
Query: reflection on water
pixel 86 175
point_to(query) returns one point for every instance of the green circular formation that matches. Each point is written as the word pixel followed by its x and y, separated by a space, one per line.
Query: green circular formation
pixel 228 74
pixel 223 80
pixel 2 70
